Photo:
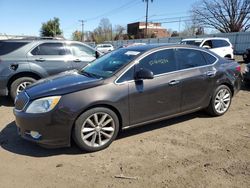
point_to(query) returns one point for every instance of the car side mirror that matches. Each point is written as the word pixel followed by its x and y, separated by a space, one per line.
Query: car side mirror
pixel 97 54
pixel 206 47
pixel 144 74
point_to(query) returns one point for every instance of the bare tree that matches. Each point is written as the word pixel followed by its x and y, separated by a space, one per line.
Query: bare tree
pixel 103 32
pixel 191 29
pixel 119 32
pixel 223 15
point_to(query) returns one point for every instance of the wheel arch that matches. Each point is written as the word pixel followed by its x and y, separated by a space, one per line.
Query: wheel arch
pixel 229 86
pixel 228 56
pixel 110 107
pixel 23 74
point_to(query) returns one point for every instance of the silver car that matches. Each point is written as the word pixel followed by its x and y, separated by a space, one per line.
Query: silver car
pixel 24 61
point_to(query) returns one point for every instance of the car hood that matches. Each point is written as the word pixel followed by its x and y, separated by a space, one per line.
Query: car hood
pixel 63 83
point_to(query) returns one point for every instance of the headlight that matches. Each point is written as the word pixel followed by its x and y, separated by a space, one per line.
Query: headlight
pixel 43 105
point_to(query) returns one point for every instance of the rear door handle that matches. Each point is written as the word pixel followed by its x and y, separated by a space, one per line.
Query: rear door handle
pixel 210 73
pixel 40 59
pixel 173 82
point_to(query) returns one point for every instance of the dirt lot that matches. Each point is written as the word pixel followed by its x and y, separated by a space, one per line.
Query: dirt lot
pixel 191 151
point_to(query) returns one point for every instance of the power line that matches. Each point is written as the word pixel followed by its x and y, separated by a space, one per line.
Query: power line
pixel 118 9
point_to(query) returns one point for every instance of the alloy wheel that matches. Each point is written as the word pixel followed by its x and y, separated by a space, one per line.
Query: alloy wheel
pixel 22 86
pixel 97 129
pixel 222 101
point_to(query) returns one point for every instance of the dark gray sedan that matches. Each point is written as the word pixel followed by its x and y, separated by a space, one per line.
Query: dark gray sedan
pixel 123 89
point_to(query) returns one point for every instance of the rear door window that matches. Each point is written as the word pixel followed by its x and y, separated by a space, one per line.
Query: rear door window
pixel 49 49
pixel 190 58
pixel 8 47
pixel 208 43
pixel 79 50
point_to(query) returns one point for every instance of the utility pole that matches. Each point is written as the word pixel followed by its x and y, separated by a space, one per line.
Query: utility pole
pixel 82 35
pixel 111 32
pixel 179 25
pixel 146 29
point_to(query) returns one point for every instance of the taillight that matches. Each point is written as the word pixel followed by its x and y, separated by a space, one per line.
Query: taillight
pixel 238 68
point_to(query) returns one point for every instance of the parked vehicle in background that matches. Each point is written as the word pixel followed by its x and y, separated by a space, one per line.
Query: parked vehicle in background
pixel 122 89
pixel 24 61
pixel 132 44
pixel 220 46
pixel 246 56
pixel 247 74
pixel 104 48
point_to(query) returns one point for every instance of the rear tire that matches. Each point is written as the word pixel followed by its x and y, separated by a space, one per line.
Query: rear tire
pixel 19 85
pixel 220 101
pixel 96 129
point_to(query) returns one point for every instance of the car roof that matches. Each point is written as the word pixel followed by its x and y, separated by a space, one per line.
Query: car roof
pixel 205 38
pixel 43 40
pixel 159 46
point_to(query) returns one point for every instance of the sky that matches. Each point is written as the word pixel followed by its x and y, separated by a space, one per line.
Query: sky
pixel 25 17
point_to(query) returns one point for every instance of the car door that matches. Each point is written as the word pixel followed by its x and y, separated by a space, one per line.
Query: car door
pixel 160 96
pixel 50 56
pixel 196 79
pixel 81 54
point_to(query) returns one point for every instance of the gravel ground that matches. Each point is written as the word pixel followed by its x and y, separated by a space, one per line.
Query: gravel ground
pixel 189 151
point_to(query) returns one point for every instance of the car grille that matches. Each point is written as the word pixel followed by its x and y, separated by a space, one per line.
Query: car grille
pixel 21 101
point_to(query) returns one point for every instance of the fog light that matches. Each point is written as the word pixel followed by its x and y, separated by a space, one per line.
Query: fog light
pixel 35 134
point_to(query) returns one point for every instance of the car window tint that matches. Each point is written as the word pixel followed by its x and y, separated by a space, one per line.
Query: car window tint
pixel 159 62
pixel 81 50
pixel 189 58
pixel 49 49
pixel 210 59
pixel 8 47
pixel 127 76
pixel 225 43
pixel 217 43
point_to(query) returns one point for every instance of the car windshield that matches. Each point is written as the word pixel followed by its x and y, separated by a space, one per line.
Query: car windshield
pixel 191 42
pixel 110 63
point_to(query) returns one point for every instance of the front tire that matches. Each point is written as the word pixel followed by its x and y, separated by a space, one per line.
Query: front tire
pixel 220 101
pixel 96 129
pixel 19 85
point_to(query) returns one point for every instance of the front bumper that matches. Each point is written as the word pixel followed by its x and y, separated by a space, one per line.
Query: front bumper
pixel 54 128
pixel 3 86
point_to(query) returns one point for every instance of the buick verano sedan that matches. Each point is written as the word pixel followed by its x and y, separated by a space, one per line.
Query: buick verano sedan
pixel 126 88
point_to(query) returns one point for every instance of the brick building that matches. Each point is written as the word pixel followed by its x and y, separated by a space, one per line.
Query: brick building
pixel 137 30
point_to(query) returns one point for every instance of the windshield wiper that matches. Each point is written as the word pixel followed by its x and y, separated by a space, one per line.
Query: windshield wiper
pixel 89 74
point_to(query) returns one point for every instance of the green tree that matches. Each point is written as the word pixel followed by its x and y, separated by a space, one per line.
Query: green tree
pixel 51 28
pixel 77 35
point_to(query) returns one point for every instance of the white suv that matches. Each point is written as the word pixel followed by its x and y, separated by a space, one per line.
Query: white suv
pixel 104 48
pixel 220 46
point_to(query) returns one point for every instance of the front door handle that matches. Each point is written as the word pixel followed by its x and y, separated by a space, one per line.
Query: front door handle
pixel 173 82
pixel 40 59
pixel 77 60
